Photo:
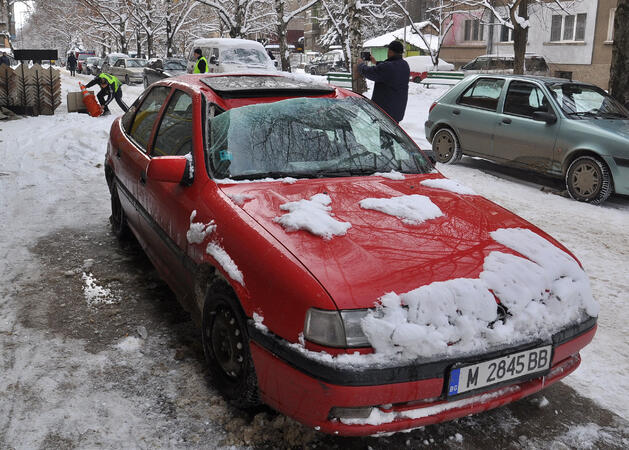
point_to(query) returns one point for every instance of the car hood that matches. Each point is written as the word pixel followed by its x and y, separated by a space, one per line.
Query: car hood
pixel 380 253
pixel 613 126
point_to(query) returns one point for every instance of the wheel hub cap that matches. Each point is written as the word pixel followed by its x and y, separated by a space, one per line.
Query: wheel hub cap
pixel 586 180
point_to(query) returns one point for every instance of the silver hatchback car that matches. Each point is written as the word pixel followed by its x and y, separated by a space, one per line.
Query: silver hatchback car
pixel 550 125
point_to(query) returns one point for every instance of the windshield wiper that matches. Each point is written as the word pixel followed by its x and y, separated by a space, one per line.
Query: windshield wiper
pixel 259 175
pixel 614 115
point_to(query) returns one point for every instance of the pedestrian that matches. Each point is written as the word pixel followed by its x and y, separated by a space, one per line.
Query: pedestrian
pixel 71 64
pixel 201 65
pixel 110 88
pixel 391 78
pixel 4 59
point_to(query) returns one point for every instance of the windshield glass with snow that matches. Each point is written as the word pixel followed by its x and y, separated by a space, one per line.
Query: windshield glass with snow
pixel 174 65
pixel 248 56
pixel 309 137
pixel 578 100
pixel 136 62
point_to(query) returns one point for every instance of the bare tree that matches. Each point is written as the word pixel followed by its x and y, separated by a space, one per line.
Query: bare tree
pixel 619 72
pixel 241 17
pixel 283 18
pixel 178 14
pixel 111 14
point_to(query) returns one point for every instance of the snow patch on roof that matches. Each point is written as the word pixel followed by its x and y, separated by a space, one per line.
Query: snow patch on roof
pixel 542 294
pixel 393 175
pixel 412 209
pixel 448 185
pixel 312 215
pixel 198 231
pixel 226 262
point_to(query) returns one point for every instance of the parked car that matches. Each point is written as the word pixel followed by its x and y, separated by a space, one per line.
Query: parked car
pixel 90 66
pixel 110 60
pixel 159 68
pixel 332 61
pixel 420 65
pixel 565 129
pixel 231 55
pixel 81 58
pixel 335 274
pixel 129 70
pixel 503 64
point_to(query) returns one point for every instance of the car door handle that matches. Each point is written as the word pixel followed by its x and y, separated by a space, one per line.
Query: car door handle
pixel 506 120
pixel 456 111
pixel 143 177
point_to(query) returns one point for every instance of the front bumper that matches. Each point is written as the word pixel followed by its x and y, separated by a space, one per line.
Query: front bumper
pixel 403 397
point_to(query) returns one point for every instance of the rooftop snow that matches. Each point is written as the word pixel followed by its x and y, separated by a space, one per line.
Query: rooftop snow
pixel 236 86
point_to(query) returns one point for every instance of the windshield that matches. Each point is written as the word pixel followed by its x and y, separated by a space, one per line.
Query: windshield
pixel 136 62
pixel 309 137
pixel 578 100
pixel 84 56
pixel 174 65
pixel 93 60
pixel 249 56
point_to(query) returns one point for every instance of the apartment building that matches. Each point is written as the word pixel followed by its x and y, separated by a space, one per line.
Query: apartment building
pixel 576 45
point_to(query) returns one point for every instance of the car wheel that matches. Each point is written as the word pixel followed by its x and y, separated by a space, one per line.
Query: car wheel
pixel 118 219
pixel 226 347
pixel 588 180
pixel 313 71
pixel 445 146
pixel 126 80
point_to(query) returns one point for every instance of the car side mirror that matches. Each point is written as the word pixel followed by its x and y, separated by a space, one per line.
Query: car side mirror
pixel 171 169
pixel 543 116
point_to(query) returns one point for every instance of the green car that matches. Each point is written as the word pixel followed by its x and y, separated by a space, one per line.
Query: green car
pixel 558 127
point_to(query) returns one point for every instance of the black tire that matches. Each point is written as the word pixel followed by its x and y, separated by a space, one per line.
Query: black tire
pixel 126 80
pixel 445 146
pixel 118 219
pixel 226 347
pixel 313 71
pixel 589 180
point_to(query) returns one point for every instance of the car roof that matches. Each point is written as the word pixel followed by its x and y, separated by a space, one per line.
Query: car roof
pixel 540 78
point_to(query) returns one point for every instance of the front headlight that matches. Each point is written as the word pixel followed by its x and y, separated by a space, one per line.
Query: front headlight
pixel 334 329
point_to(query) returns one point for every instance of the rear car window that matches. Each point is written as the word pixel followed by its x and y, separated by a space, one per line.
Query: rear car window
pixel 483 93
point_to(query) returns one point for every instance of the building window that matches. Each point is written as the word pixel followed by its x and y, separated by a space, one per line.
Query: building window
pixel 473 30
pixel 506 34
pixel 568 28
pixel 610 28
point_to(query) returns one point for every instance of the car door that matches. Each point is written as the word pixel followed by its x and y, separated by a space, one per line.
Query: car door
pixel 474 115
pixel 117 68
pixel 170 205
pixel 132 154
pixel 520 140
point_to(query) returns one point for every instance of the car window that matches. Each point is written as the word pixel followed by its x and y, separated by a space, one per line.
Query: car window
pixel 483 93
pixel 146 115
pixel 309 137
pixel 524 99
pixel 174 136
pixel 119 63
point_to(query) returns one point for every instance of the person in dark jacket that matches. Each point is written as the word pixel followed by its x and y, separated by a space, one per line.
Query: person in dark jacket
pixel 4 59
pixel 201 65
pixel 110 88
pixel 391 76
pixel 71 64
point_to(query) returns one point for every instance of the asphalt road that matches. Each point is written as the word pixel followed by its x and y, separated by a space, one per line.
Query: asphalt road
pixel 167 381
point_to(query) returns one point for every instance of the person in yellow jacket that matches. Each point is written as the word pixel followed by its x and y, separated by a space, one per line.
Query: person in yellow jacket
pixel 201 65
pixel 110 87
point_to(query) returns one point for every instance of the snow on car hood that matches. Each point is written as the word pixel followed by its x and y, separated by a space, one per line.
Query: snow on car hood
pixel 380 252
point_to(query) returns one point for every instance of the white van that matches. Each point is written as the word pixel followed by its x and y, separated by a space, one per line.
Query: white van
pixel 231 55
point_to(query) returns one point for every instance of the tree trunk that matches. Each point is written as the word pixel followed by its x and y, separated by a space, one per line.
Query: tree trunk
pixel 619 72
pixel 519 36
pixel 138 43
pixel 281 35
pixel 359 85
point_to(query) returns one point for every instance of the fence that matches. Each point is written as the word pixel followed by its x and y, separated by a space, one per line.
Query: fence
pixel 30 90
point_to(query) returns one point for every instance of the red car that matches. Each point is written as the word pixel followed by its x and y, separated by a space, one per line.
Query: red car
pixel 336 275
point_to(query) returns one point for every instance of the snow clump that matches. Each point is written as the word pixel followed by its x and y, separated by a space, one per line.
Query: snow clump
pixel 198 231
pixel 312 215
pixel 258 321
pixel 226 262
pixel 240 199
pixel 95 294
pixel 129 344
pixel 393 175
pixel 448 185
pixel 542 294
pixel 412 209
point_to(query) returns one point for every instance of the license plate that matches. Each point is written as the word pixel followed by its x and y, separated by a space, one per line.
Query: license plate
pixel 494 371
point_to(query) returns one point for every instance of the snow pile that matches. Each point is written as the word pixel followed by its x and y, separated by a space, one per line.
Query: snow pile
pixel 129 344
pixel 412 209
pixel 95 294
pixel 314 216
pixel 258 321
pixel 240 199
pixel 393 175
pixel 448 185
pixel 226 262
pixel 543 294
pixel 198 231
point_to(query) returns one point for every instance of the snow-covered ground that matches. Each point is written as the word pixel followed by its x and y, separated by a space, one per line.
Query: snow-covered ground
pixel 51 177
